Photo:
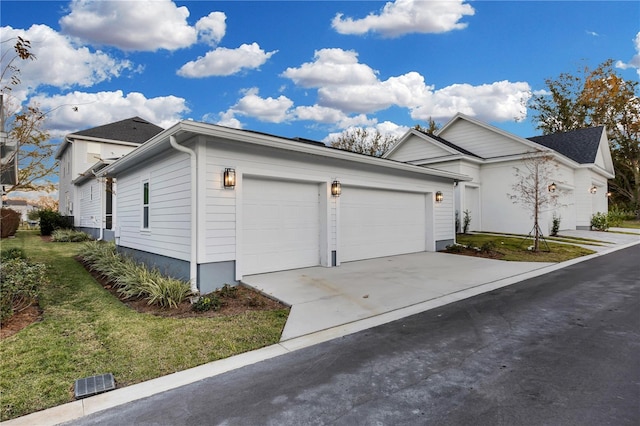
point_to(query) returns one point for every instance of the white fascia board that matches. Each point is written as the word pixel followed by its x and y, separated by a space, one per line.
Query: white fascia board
pixel 438 160
pixel 599 170
pixel 67 141
pixel 161 141
pixel 90 172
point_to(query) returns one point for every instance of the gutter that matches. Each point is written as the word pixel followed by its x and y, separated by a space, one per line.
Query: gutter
pixel 193 268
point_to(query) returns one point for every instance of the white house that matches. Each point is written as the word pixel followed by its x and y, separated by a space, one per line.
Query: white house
pixel 81 156
pixel 489 157
pixel 213 204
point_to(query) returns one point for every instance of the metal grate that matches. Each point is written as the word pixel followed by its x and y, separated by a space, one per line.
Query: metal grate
pixel 94 385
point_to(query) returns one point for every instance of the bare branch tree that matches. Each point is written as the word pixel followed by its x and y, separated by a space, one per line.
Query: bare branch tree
pixel 533 190
pixel 364 141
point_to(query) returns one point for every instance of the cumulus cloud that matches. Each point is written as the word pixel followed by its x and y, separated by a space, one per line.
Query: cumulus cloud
pixel 365 93
pixel 81 110
pixel 223 61
pixel 141 25
pixel 332 116
pixel 635 60
pixel 408 16
pixel 60 62
pixel 272 110
pixel 331 67
pixel 212 28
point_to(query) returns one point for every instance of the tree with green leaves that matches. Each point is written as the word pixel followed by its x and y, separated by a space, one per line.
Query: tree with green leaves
pixel 595 98
pixel 364 141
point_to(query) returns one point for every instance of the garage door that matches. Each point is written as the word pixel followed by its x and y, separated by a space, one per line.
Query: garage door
pixel 376 223
pixel 281 225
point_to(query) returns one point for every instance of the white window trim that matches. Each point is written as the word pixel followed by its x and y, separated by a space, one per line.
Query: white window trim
pixel 147 206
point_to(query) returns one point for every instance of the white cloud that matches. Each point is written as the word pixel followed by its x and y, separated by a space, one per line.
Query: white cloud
pixel 325 115
pixel 364 94
pixel 81 110
pixel 212 28
pixel 141 25
pixel 272 110
pixel 385 128
pixel 223 61
pixel 408 16
pixel 59 62
pixel 635 60
pixel 331 67
pixel 593 33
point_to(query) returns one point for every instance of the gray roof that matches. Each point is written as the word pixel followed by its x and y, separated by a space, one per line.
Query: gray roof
pixel 579 145
pixel 135 130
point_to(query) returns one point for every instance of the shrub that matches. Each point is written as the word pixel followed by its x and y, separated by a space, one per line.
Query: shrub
pixel 70 236
pixel 599 222
pixel 51 220
pixel 487 247
pixel 466 221
pixel 207 303
pixel 555 227
pixel 616 216
pixel 228 291
pixel 133 279
pixel 455 248
pixel 9 222
pixel 20 282
pixel 12 253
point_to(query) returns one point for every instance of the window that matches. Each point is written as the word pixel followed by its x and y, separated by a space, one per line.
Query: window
pixel 145 205
pixel 109 204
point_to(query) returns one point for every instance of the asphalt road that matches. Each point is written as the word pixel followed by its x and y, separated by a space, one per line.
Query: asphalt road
pixel 560 349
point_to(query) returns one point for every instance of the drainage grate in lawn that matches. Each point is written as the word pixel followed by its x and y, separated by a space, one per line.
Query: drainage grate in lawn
pixel 94 385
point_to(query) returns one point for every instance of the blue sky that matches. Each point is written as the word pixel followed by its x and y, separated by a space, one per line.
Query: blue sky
pixel 307 68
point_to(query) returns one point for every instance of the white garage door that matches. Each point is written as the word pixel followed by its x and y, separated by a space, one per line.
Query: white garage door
pixel 280 227
pixel 376 223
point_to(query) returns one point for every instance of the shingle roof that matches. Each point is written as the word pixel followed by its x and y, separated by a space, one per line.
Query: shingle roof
pixel 135 129
pixel 579 145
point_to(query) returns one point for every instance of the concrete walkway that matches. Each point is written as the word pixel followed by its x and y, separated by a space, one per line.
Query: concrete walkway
pixel 332 302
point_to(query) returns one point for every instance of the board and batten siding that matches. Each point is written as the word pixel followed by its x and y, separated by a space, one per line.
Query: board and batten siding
pixel 261 162
pixel 415 148
pixel 481 141
pixel 169 207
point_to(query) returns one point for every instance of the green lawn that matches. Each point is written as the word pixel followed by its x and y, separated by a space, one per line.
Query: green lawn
pixel 631 224
pixel 86 331
pixel 515 249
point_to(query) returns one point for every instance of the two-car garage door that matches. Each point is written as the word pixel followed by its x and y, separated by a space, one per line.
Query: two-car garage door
pixel 281 224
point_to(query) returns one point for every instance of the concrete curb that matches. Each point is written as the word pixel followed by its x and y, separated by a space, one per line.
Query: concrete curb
pixel 77 409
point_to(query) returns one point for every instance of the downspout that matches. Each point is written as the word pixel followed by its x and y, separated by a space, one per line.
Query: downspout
pixel 193 270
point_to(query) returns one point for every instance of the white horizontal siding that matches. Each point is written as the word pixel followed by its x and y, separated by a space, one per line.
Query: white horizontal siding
pixel 169 207
pixel 416 148
pixel 87 210
pixel 481 141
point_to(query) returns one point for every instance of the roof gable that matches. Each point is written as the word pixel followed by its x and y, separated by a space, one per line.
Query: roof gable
pixel 135 130
pixel 482 139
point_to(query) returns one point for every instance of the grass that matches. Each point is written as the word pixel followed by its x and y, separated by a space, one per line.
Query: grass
pixel 515 249
pixel 86 331
pixel 635 224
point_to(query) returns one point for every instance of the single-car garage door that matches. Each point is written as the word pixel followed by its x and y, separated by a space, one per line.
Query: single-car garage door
pixel 280 225
pixel 376 223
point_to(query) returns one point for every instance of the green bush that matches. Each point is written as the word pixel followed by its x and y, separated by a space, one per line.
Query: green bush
pixel 555 227
pixel 9 222
pixel 600 222
pixel 207 303
pixel 455 248
pixel 12 253
pixel 133 279
pixel 616 216
pixel 466 221
pixel 228 291
pixel 487 247
pixel 50 220
pixel 20 283
pixel 69 236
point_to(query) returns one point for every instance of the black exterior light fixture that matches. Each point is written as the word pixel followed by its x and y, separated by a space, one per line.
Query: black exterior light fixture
pixel 593 189
pixel 336 188
pixel 229 178
pixel 552 187
pixel 439 197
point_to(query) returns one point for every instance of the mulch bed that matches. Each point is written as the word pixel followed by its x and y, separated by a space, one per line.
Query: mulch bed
pixel 19 321
pixel 475 253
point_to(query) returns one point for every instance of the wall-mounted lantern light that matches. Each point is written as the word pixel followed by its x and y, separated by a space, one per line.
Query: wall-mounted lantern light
pixel 336 188
pixel 593 189
pixel 552 187
pixel 439 197
pixel 609 194
pixel 229 178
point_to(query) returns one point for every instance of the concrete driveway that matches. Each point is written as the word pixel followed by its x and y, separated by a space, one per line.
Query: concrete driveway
pixel 322 298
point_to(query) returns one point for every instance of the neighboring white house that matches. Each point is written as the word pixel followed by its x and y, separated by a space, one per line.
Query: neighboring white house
pixel 21 206
pixel 84 153
pixel 280 208
pixel 489 157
